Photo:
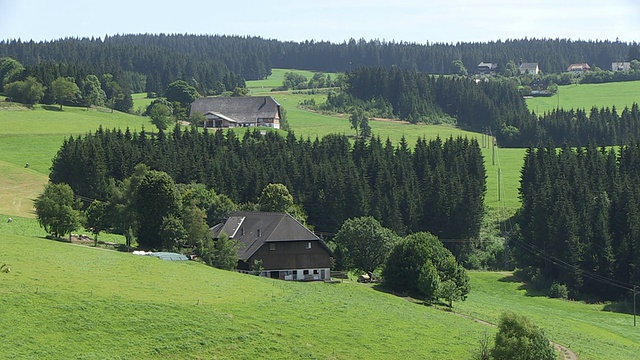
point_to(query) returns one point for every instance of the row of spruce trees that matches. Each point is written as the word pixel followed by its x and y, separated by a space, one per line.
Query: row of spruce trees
pixel 438 187
pixel 579 224
pixel 186 56
pixel 494 105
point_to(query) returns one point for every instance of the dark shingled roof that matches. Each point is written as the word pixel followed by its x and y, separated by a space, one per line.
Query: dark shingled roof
pixel 253 229
pixel 243 109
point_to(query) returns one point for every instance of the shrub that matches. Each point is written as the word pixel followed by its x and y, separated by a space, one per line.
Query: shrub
pixel 518 338
pixel 558 291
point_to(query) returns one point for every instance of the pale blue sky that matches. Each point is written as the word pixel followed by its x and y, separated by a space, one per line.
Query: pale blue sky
pixel 333 20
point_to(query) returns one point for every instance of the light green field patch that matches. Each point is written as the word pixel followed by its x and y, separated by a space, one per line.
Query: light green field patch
pixel 141 101
pixel 586 96
pixel 585 328
pixel 67 301
pixel 17 189
pixel 34 136
pixel 275 80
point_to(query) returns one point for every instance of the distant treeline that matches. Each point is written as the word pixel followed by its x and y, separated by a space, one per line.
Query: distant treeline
pixel 439 187
pixel 605 126
pixel 213 62
pixel 496 105
pixel 579 223
pixel 419 97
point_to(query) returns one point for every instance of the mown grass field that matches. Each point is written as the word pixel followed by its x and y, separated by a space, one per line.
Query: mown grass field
pixel 68 301
pixel 587 329
pixel 586 96
pixel 62 301
pixel 33 136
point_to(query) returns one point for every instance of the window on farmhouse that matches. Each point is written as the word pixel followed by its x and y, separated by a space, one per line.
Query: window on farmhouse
pixel 272 246
pixel 309 245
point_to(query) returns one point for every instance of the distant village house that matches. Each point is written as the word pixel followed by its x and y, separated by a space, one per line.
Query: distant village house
pixel 624 66
pixel 486 68
pixel 242 111
pixel 287 249
pixel 529 69
pixel 579 69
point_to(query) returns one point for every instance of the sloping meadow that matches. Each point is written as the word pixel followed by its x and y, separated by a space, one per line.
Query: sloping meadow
pixel 67 301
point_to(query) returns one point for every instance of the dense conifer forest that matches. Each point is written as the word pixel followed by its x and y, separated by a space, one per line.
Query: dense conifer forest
pixel 213 63
pixel 439 187
pixel 579 223
pixel 494 105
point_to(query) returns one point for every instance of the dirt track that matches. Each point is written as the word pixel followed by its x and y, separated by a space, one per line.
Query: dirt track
pixel 566 353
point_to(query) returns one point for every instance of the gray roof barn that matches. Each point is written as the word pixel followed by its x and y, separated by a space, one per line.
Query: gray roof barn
pixel 239 111
pixel 286 248
pixel 253 229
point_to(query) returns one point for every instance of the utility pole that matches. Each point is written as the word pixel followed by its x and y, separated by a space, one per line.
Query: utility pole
pixel 493 152
pixel 499 198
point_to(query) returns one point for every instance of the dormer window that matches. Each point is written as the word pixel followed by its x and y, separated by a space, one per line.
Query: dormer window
pixel 242 232
pixel 258 232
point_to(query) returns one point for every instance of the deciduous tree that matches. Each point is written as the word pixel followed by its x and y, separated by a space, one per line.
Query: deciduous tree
pixel 365 242
pixel 58 210
pixel 161 116
pixel 183 93
pixel 221 253
pixel 458 68
pixel 96 218
pixel 408 270
pixel 155 199
pixel 29 91
pixel 63 90
pixel 519 339
pixel 275 198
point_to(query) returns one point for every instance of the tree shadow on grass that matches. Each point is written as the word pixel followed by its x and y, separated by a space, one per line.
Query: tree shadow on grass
pixel 51 107
pixel 621 307
pixel 412 298
pixel 530 290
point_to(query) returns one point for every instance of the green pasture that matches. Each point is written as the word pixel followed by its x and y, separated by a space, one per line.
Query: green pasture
pixel 62 301
pixel 33 136
pixel 68 301
pixel 140 102
pixel 275 80
pixel 586 96
pixel 587 329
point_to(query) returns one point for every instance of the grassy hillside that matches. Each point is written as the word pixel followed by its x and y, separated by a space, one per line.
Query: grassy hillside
pixel 587 329
pixel 585 96
pixel 66 301
pixel 33 136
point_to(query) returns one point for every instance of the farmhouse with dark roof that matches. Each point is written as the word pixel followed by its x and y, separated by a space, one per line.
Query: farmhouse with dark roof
pixel 242 111
pixel 288 250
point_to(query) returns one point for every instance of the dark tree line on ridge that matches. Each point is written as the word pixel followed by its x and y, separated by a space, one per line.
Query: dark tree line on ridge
pixel 438 187
pixel 604 126
pixel 496 105
pixel 212 63
pixel 579 224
